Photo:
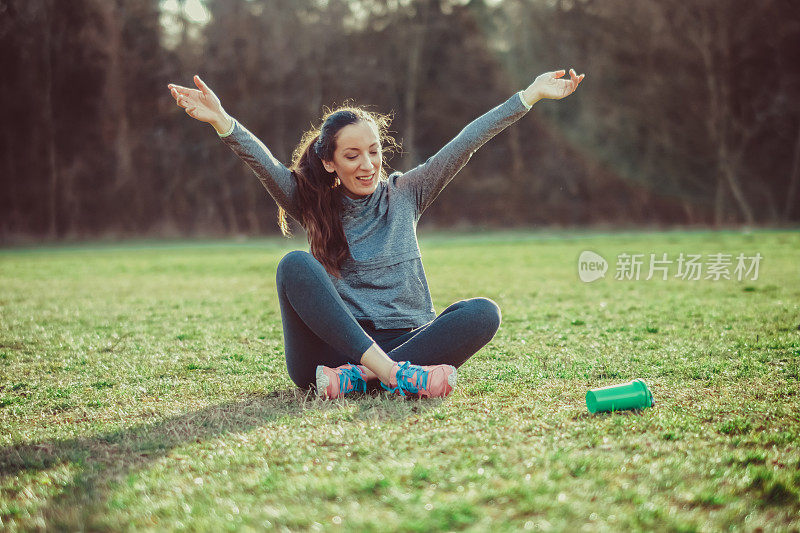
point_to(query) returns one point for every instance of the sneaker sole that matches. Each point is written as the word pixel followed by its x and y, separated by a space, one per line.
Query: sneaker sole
pixel 451 379
pixel 322 382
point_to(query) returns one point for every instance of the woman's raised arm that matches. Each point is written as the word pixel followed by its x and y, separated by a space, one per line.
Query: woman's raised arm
pixel 203 105
pixel 424 182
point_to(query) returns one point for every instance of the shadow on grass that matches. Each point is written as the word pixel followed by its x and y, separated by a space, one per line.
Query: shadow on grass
pixel 108 458
pixel 600 415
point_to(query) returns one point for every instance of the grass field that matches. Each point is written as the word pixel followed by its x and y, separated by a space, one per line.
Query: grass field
pixel 143 386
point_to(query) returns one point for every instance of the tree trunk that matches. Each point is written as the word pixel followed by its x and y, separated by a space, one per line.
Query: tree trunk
pixel 720 112
pixel 719 202
pixel 116 101
pixel 730 172
pixel 416 46
pixel 48 122
pixel 521 181
pixel 228 206
pixel 791 193
pixel 11 183
pixel 688 211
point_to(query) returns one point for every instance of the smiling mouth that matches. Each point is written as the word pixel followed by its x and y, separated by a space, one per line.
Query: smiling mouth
pixel 367 179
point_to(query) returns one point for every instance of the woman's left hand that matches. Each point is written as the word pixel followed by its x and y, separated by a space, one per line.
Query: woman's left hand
pixel 548 85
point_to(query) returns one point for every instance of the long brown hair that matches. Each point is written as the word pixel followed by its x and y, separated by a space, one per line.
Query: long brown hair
pixel 319 192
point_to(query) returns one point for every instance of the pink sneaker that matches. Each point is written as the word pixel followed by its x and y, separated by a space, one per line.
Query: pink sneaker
pixel 435 381
pixel 336 382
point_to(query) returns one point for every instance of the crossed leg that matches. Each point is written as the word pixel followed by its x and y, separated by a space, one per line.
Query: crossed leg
pixel 319 329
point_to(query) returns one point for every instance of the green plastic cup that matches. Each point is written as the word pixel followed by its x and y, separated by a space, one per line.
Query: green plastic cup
pixel 631 395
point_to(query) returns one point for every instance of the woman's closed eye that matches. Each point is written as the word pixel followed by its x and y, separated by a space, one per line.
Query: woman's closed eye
pixel 351 158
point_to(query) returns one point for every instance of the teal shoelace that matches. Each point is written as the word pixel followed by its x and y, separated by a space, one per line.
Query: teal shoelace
pixel 405 379
pixel 351 380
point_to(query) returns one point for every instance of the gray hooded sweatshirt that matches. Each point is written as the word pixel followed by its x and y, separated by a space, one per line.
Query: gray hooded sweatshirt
pixel 383 282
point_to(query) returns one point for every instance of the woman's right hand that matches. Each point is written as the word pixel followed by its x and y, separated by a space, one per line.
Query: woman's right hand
pixel 201 104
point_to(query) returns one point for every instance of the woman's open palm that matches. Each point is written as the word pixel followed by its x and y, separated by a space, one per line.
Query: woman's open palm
pixel 201 104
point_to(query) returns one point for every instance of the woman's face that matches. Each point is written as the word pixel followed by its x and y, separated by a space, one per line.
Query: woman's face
pixel 357 155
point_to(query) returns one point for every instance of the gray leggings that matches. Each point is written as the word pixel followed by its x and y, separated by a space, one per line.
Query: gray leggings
pixel 319 329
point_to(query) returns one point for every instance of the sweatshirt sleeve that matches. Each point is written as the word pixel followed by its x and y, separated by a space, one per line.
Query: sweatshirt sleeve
pixel 424 182
pixel 276 178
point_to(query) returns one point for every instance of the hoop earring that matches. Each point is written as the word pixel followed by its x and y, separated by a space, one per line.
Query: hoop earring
pixel 336 182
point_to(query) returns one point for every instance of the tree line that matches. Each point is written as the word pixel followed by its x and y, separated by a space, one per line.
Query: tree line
pixel 689 113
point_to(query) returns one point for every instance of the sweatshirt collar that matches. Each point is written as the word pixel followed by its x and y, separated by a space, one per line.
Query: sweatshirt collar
pixel 359 204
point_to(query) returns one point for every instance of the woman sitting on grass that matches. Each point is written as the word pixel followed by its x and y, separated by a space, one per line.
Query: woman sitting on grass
pixel 358 307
